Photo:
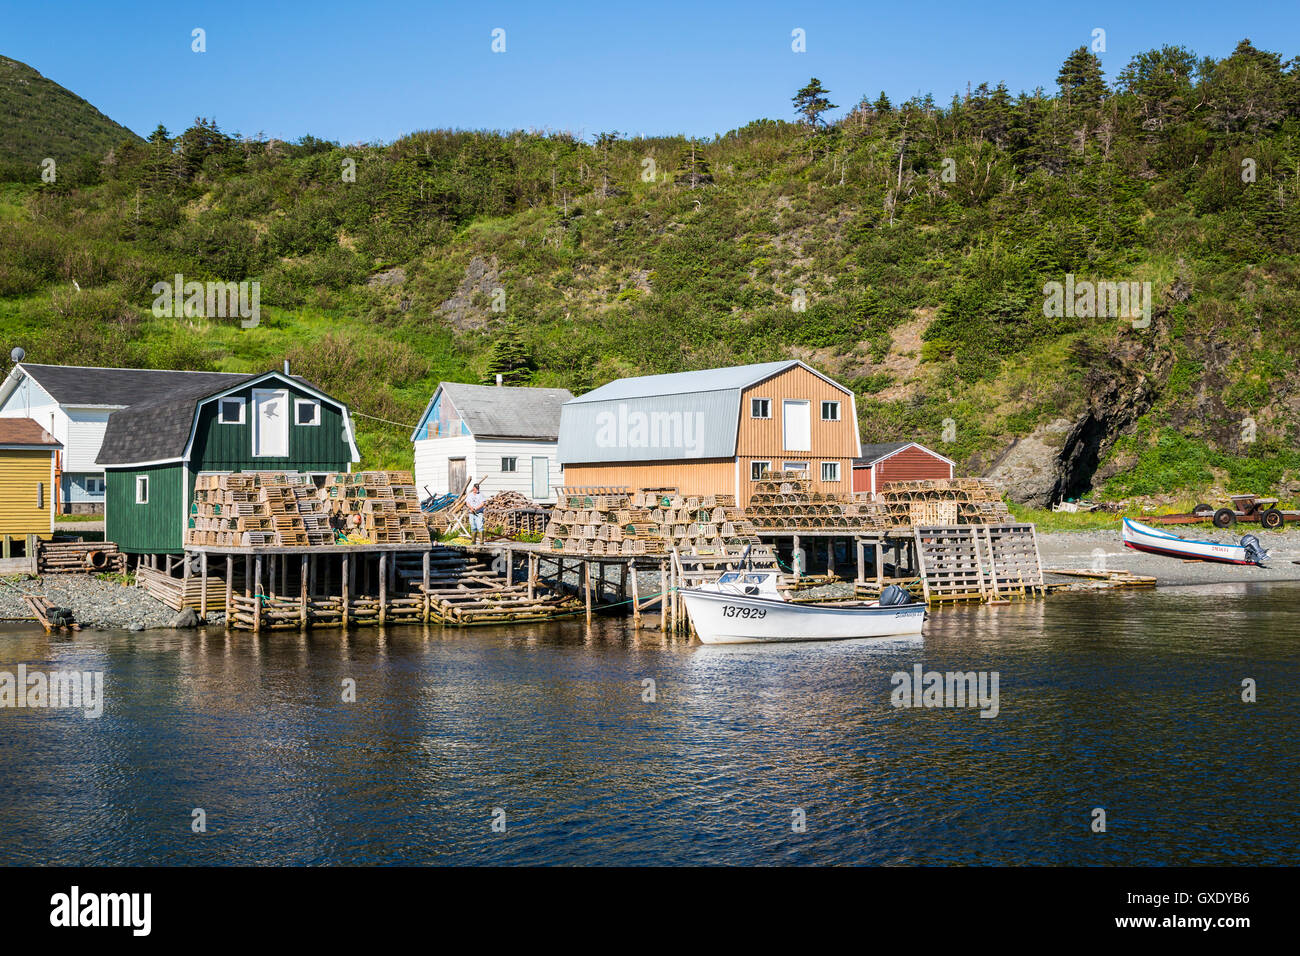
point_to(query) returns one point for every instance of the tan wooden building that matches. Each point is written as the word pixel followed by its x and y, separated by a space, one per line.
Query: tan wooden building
pixel 715 431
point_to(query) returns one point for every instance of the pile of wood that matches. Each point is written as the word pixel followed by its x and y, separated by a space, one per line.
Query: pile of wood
pixel 978 562
pixel 376 507
pixel 179 593
pixel 513 514
pixel 785 502
pixel 944 501
pixel 67 557
pixel 281 509
pixel 620 522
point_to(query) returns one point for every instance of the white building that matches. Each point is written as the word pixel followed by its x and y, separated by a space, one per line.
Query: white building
pixel 503 435
pixel 73 403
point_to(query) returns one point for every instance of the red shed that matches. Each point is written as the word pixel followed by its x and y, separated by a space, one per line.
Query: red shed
pixel 897 461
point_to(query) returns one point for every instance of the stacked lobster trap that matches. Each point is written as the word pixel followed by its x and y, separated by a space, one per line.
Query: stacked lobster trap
pixel 279 509
pixel 786 502
pixel 944 502
pixel 620 522
pixel 376 507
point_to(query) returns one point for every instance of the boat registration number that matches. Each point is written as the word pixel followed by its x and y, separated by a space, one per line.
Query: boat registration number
pixel 731 610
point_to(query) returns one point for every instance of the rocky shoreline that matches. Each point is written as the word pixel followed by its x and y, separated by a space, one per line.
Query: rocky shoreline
pixel 99 601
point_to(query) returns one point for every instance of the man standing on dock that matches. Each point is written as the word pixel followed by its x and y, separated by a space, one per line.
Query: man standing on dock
pixel 476 501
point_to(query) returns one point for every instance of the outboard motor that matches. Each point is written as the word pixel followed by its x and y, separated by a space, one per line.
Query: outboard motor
pixel 893 596
pixel 1254 550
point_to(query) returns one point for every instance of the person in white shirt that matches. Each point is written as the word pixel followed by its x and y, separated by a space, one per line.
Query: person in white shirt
pixel 476 501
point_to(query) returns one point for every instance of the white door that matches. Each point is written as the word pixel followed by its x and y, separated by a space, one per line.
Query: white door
pixel 541 478
pixel 270 423
pixel 796 421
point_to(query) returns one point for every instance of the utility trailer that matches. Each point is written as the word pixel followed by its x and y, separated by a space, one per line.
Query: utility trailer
pixel 1248 508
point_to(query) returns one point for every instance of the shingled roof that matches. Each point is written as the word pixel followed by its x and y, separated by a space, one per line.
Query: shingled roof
pixel 83 385
pixel 873 453
pixel 26 431
pixel 160 430
pixel 506 411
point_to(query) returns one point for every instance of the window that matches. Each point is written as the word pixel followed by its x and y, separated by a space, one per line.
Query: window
pixel 231 411
pixel 40 496
pixel 94 486
pixel 306 412
pixel 830 471
pixel 830 411
pixel 799 466
pixel 509 464
pixel 760 408
pixel 142 489
pixel 756 469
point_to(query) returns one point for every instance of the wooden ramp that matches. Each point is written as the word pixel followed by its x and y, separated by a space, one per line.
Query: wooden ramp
pixel 976 562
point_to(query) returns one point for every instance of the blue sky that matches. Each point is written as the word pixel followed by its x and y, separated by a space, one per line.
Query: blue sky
pixel 358 71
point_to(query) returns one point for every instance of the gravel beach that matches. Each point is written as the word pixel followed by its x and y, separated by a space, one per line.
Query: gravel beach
pixel 95 601
pixel 1104 550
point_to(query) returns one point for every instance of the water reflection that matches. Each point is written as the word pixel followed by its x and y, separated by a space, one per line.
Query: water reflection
pixel 1128 701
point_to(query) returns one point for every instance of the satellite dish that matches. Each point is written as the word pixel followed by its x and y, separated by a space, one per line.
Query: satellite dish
pixel 18 354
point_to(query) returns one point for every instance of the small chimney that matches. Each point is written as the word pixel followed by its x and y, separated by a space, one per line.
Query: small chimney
pixel 286 366
pixel 498 379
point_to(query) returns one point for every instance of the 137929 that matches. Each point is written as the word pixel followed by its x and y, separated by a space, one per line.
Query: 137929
pixel 731 610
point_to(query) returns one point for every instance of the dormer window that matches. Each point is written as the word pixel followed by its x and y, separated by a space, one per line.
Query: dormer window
pixel 231 411
pixel 306 412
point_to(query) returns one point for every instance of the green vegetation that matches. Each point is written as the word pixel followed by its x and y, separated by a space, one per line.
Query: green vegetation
pixel 903 250
pixel 43 120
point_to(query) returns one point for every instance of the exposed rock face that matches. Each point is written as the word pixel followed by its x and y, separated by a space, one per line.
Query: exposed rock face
pixel 1029 470
pixel 1060 459
pixel 388 277
pixel 471 305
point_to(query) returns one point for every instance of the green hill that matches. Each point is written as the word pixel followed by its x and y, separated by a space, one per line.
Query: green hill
pixel 40 119
pixel 906 250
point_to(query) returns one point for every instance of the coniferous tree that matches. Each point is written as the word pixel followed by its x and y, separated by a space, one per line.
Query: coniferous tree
pixel 693 170
pixel 812 101
pixel 1080 79
pixel 510 357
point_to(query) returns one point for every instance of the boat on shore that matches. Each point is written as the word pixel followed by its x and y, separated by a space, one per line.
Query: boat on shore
pixel 746 607
pixel 1142 537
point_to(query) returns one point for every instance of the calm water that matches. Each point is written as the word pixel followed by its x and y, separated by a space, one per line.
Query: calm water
pixel 1130 702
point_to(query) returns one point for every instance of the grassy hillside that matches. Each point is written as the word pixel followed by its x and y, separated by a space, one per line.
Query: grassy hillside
pixel 40 119
pixel 904 250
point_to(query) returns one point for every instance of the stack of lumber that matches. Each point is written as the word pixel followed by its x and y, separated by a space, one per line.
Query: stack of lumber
pixel 943 501
pixel 786 502
pixel 66 557
pixel 379 507
pixel 180 593
pixel 281 509
pixel 618 522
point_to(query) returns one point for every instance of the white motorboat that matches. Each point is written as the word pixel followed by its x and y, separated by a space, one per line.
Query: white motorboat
pixel 1143 537
pixel 745 607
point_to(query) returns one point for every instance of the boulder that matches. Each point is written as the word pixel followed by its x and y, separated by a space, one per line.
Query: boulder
pixel 187 618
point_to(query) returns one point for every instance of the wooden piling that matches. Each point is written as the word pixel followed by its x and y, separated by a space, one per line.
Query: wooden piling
pixel 636 597
pixel 306 578
pixel 230 587
pixel 586 578
pixel 257 594
pixel 345 579
pixel 203 573
pixel 383 587
pixel 663 597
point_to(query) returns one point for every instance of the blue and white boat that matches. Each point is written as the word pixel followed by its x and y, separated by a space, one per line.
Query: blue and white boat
pixel 1142 537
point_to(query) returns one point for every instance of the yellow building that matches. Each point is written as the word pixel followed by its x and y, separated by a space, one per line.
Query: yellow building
pixel 28 479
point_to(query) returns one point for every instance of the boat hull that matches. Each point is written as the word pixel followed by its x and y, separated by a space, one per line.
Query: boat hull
pixel 721 618
pixel 1142 537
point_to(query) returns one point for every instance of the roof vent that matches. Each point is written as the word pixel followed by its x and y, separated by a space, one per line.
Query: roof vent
pixel 286 366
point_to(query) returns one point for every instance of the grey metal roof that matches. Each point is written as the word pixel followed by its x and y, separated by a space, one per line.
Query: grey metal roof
pixel 506 411
pixel 677 383
pixel 682 415
pixel 873 453
pixel 82 385
pixel 160 430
